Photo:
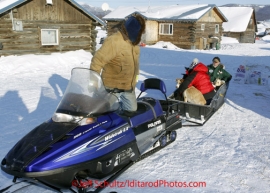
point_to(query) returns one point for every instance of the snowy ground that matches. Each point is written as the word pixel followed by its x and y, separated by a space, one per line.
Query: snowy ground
pixel 230 153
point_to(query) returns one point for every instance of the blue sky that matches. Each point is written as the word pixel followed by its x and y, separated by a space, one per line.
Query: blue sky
pixel 117 3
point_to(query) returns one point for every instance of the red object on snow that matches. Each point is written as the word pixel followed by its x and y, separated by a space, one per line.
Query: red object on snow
pixel 142 44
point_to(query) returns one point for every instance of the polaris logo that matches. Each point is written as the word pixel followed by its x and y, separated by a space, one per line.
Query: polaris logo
pixel 154 124
pixel 120 131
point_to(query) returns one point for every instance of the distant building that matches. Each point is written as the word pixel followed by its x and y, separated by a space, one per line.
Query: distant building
pixel 188 27
pixel 241 23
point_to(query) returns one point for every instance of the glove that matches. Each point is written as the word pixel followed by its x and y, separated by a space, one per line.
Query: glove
pixel 137 78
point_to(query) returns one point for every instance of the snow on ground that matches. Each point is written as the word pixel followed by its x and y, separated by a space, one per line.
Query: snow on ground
pixel 162 44
pixel 266 38
pixel 101 34
pixel 228 40
pixel 230 153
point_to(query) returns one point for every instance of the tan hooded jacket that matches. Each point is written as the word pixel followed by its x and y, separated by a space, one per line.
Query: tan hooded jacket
pixel 117 61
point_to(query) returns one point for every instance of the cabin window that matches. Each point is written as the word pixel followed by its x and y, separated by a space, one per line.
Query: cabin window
pixel 49 2
pixel 202 26
pixel 18 26
pixel 166 28
pixel 49 37
pixel 216 28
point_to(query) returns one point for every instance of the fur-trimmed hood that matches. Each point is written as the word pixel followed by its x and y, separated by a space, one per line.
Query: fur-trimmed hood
pixel 133 28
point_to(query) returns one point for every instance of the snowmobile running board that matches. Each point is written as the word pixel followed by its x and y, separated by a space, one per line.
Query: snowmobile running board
pixel 12 188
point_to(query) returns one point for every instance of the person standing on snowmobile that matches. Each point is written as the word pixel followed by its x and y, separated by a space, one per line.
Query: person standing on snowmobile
pixel 118 62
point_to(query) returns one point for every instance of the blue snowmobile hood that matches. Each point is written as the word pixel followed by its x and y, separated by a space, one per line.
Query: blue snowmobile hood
pixel 35 143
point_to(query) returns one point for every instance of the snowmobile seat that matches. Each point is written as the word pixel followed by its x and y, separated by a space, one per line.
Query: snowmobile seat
pixel 143 105
pixel 151 83
pixel 148 108
pixel 147 103
pixel 141 108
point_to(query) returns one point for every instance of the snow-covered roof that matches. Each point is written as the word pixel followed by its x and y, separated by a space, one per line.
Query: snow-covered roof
pixel 238 18
pixel 172 12
pixel 6 5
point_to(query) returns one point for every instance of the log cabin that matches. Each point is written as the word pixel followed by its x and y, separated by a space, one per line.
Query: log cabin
pixel 186 26
pixel 241 25
pixel 46 26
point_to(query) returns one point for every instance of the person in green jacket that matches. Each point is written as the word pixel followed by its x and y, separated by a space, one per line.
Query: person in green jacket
pixel 216 70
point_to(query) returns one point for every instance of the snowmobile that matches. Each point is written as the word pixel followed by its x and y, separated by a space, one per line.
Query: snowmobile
pixel 87 138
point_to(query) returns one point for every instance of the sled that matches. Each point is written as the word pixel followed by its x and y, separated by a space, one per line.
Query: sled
pixel 87 139
pixel 200 114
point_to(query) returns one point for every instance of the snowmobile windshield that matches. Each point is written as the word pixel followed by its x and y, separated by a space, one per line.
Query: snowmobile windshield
pixel 85 96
